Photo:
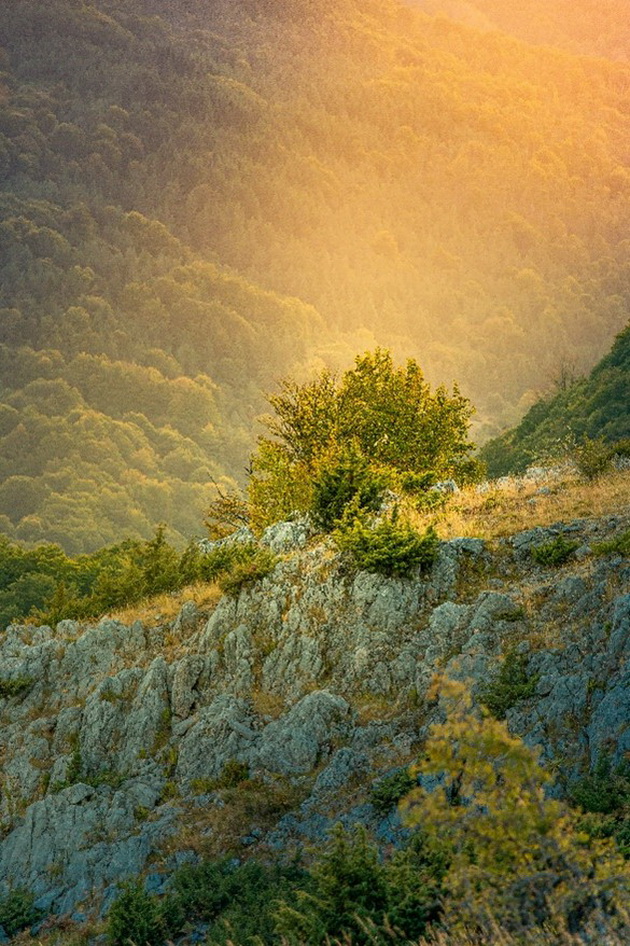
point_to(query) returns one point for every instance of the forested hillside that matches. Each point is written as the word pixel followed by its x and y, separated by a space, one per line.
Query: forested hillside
pixel 591 27
pixel 594 409
pixel 197 198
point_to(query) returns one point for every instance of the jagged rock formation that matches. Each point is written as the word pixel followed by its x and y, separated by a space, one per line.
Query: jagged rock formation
pixel 315 678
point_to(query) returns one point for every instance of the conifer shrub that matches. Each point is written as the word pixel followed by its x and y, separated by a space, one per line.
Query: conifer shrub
pixel 237 900
pixel 389 547
pixel 135 917
pixel 620 545
pixel 604 795
pixel 17 911
pixel 554 553
pixel 388 791
pixel 355 896
pixel 606 789
pixel 510 684
pixel 341 481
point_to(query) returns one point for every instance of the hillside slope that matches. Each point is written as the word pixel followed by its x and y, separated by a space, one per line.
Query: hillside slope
pixel 315 680
pixel 597 406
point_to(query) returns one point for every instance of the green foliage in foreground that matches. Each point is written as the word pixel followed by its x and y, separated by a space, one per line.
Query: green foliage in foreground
pixel 346 892
pixel 489 850
pixel 518 857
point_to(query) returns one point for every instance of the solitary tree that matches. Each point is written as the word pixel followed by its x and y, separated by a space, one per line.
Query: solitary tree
pixel 376 415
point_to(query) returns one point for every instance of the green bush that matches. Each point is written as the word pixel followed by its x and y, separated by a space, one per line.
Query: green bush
pixel 247 569
pixel 390 548
pixel 620 545
pixel 356 897
pixel 411 482
pixel 604 795
pixel 237 900
pixel 17 911
pixel 605 789
pixel 345 480
pixel 593 457
pixel 135 917
pixel 15 687
pixel 555 552
pixel 509 685
pixel 387 792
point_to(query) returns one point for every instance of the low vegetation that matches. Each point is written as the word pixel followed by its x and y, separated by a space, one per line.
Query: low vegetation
pixel 490 859
pixel 510 684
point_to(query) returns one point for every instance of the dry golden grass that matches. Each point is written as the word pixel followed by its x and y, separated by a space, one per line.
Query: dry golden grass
pixel 166 607
pixel 518 505
pixel 269 704
pixel 214 831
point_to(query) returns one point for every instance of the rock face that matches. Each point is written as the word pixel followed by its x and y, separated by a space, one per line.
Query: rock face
pixel 315 676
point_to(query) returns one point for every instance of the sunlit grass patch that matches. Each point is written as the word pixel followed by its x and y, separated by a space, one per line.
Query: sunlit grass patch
pixel 166 606
pixel 512 505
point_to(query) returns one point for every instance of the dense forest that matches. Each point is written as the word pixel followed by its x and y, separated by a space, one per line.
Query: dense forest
pixel 198 198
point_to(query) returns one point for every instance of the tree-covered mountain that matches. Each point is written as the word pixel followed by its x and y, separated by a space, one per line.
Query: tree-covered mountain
pixel 198 198
pixel 591 27
pixel 591 408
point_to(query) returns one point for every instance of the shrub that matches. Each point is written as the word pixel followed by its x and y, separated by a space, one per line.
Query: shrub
pixel 620 545
pixel 342 481
pixel 593 457
pixel 394 421
pixel 237 900
pixel 356 897
pixel 389 548
pixel 509 685
pixel 605 789
pixel 555 552
pixel 246 570
pixel 15 687
pixel 411 482
pixel 386 793
pixel 134 918
pixel 518 859
pixel 17 911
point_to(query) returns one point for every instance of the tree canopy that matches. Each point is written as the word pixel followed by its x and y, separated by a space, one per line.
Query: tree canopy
pixel 376 425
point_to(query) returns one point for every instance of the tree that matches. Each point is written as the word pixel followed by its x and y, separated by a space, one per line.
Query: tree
pixel 389 412
pixel 386 418
pixel 517 857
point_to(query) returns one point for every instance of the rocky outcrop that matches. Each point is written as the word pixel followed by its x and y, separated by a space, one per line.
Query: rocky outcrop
pixel 315 675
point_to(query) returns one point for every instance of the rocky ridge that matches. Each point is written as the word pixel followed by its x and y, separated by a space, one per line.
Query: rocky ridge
pixel 315 679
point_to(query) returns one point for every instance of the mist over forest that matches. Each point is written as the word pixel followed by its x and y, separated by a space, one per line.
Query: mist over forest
pixel 200 198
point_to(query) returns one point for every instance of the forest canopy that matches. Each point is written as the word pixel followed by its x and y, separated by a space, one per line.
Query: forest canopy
pixel 229 193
